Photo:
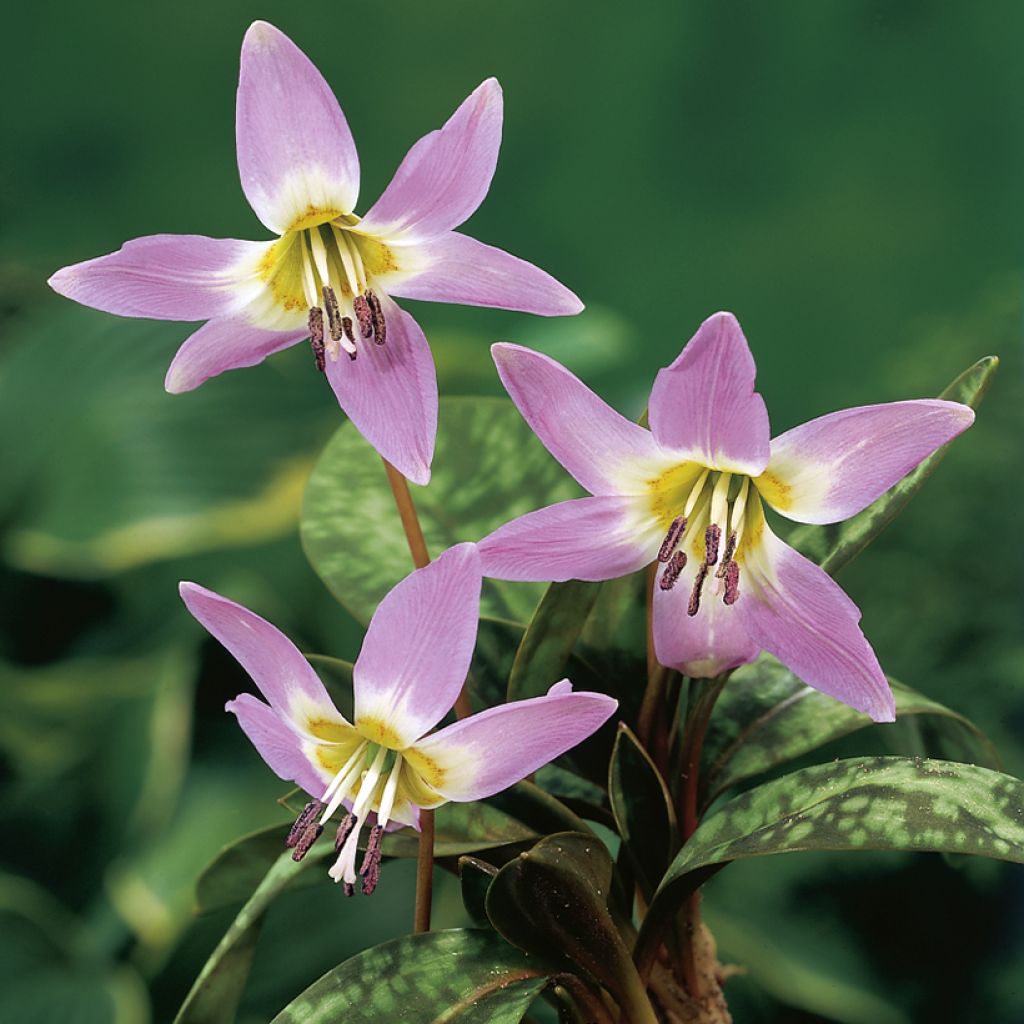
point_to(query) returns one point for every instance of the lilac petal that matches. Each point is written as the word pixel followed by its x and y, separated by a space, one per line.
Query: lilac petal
pixel 296 157
pixel 418 647
pixel 163 277
pixel 459 269
pixel 831 468
pixel 584 539
pixel 705 405
pixel 793 609
pixel 277 744
pixel 702 645
pixel 445 176
pixel 603 450
pixel 488 752
pixel 389 392
pixel 275 664
pixel 223 345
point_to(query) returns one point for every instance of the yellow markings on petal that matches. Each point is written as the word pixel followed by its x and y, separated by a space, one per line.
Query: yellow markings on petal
pixel 667 492
pixel 331 730
pixel 379 732
pixel 281 271
pixel 426 768
pixel 377 258
pixel 312 216
pixel 774 490
pixel 333 756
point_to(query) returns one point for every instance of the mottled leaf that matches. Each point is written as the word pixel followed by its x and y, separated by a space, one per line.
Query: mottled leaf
pixel 488 468
pixel 836 545
pixel 451 977
pixel 552 900
pixel 766 717
pixel 880 803
pixel 642 806
pixel 476 876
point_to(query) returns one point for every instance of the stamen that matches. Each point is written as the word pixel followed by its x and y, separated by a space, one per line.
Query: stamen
pixel 370 869
pixel 380 328
pixel 306 815
pixel 346 326
pixel 668 545
pixel 333 313
pixel 672 571
pixel 344 831
pixel 363 315
pixel 695 493
pixel 732 583
pixel 306 830
pixel 349 888
pixel 694 606
pixel 712 535
pixel 316 337
pixel 730 550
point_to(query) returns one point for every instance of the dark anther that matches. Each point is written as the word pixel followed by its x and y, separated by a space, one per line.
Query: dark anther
pixel 344 830
pixel 370 869
pixel 346 326
pixel 675 566
pixel 712 535
pixel 675 532
pixel 309 814
pixel 316 336
pixel 363 315
pixel 694 606
pixel 730 550
pixel 313 832
pixel 732 583
pixel 333 313
pixel 350 889
pixel 380 328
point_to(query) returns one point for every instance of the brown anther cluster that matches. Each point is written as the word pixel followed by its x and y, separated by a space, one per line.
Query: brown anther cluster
pixel 380 328
pixel 712 537
pixel 344 830
pixel 672 538
pixel 306 830
pixel 333 313
pixel 675 566
pixel 316 336
pixel 732 583
pixel 698 584
pixel 370 870
pixel 361 306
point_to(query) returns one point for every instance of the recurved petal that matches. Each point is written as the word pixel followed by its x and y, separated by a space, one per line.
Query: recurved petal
pixel 445 176
pixel 277 744
pixel 418 648
pixel 163 277
pixel 223 345
pixel 705 404
pixel 459 269
pixel 584 539
pixel 793 609
pixel 831 468
pixel 296 157
pixel 603 450
pixel 489 752
pixel 389 392
pixel 276 666
pixel 702 645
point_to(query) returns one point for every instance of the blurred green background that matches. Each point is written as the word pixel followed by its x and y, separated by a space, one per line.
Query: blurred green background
pixel 846 177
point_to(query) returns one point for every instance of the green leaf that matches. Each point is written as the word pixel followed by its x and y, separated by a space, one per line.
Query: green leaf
pixel 766 716
pixel 215 994
pixel 880 803
pixel 552 900
pixel 476 876
pixel 488 468
pixel 836 545
pixel 464 976
pixel 550 637
pixel 642 806
pixel 111 472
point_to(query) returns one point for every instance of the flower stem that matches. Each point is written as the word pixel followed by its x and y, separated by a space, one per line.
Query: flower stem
pixel 407 513
pixel 424 872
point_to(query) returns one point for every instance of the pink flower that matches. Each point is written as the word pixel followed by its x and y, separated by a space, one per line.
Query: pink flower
pixel 330 275
pixel 689 493
pixel 387 762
